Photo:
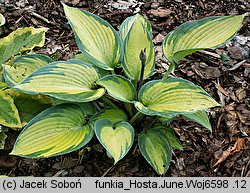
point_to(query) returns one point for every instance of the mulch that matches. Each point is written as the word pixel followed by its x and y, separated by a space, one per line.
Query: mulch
pixel 226 80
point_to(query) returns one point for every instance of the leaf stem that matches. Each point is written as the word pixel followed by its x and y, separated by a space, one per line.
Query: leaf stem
pixel 135 117
pixel 135 83
pixel 171 67
pixel 152 123
pixel 108 102
pixel 97 106
pixel 129 109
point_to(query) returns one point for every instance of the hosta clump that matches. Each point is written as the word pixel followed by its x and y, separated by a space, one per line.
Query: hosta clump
pixel 17 62
pixel 91 99
pixel 16 109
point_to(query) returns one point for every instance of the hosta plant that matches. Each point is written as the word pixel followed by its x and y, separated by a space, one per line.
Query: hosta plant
pixel 17 61
pixel 91 99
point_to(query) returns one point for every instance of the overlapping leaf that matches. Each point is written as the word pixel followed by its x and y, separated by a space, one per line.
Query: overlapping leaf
pixel 156 149
pixel 138 39
pixel 118 87
pixel 167 118
pixel 29 105
pixel 3 85
pixel 116 139
pixel 8 112
pixel 100 71
pixel 199 117
pixel 113 115
pixel 172 96
pixel 210 32
pixel 95 37
pixel 20 40
pixel 21 67
pixel 128 22
pixel 58 130
pixel 173 140
pixel 72 80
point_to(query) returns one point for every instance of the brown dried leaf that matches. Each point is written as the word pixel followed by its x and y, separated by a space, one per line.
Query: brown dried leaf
pixel 238 146
pixel 219 87
pixel 230 151
pixel 229 107
pixel 223 157
pixel 241 94
pixel 242 118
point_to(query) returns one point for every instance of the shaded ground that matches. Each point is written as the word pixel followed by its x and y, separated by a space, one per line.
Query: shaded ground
pixel 226 81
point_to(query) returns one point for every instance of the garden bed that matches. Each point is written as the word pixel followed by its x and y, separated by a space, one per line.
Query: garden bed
pixel 227 81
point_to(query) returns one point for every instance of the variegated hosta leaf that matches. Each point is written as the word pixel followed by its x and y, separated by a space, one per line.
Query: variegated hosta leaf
pixel 210 32
pixel 200 117
pixel 1 76
pixel 2 20
pixel 100 71
pixel 20 40
pixel 173 140
pixel 8 112
pixel 156 149
pixel 95 37
pixel 72 80
pixel 167 118
pixel 128 22
pixel 137 40
pixel 118 87
pixel 116 139
pixel 29 105
pixel 172 96
pixel 3 136
pixel 3 85
pixel 113 115
pixel 58 130
pixel 88 108
pixel 18 69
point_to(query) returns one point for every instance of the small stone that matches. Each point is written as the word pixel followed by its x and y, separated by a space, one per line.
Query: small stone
pixel 78 169
pixel 190 73
pixel 160 12
pixel 236 53
pixel 48 174
pixel 57 166
pixel 158 39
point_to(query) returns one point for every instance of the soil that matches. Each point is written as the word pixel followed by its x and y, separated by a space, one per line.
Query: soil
pixel 225 80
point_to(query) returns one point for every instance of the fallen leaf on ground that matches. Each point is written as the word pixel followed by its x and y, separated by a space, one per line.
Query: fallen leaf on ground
pixel 230 151
pixel 219 88
pixel 241 94
pixel 238 145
